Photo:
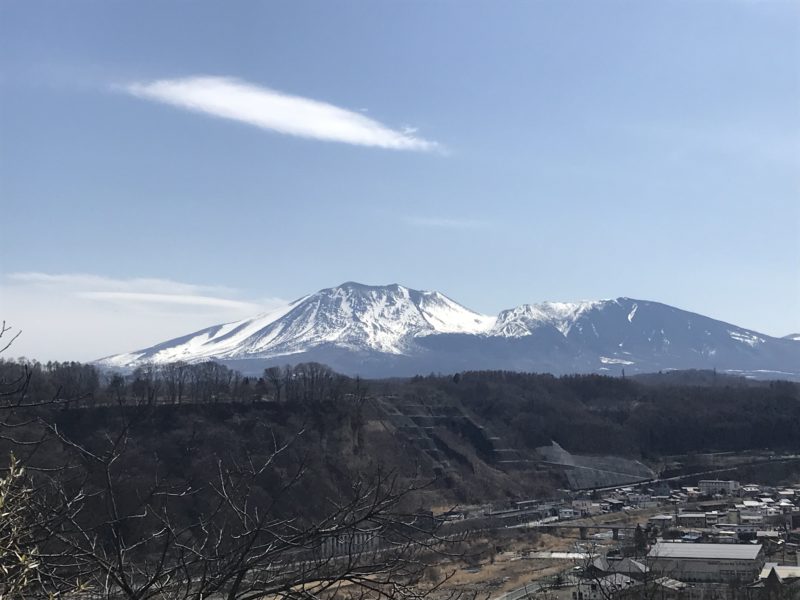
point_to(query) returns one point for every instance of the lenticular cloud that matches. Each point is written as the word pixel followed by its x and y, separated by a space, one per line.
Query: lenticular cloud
pixel 268 109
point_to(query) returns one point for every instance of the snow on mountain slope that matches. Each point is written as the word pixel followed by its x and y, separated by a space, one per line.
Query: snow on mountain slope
pixel 354 316
pixel 525 319
pixel 360 317
pixel 393 330
pixel 212 342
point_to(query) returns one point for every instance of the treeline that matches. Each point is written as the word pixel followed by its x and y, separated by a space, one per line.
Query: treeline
pixel 181 419
pixel 75 384
pixel 186 417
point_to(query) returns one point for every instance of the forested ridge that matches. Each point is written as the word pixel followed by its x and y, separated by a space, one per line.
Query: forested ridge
pixel 600 414
pixel 646 417
pixel 138 487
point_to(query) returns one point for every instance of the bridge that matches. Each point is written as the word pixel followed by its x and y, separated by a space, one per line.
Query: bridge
pixel 582 529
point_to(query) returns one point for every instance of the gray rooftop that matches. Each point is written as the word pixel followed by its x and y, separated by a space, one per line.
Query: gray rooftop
pixel 783 571
pixel 720 551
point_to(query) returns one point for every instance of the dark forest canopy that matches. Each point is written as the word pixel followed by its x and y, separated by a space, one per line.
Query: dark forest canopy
pixel 649 416
pixel 600 414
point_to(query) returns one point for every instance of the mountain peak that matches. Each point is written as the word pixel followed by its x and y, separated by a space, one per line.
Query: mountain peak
pixel 355 285
pixel 395 330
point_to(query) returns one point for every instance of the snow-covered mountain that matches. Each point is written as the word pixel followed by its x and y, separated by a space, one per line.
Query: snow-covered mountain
pixel 352 316
pixel 393 330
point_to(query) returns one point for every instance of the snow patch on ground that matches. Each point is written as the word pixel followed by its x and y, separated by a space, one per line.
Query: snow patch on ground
pixel 447 316
pixel 745 337
pixel 632 313
pixel 606 360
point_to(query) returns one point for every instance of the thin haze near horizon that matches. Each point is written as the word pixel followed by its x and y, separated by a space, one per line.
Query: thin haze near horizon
pixel 167 166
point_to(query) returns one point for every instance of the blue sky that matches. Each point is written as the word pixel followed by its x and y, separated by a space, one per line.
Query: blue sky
pixel 170 165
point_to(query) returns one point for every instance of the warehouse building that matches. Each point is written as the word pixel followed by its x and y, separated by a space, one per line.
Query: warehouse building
pixel 707 563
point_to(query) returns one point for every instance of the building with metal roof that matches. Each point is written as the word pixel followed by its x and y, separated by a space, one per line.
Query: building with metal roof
pixel 707 562
pixel 718 551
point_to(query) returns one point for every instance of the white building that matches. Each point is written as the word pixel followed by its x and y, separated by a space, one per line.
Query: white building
pixel 568 513
pixel 712 487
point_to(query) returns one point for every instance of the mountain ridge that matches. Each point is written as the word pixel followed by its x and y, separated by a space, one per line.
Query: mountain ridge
pixel 395 330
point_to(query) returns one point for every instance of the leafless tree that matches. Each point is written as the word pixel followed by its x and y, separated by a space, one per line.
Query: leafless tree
pixel 275 376
pixel 154 546
pixel 175 376
pixel 22 571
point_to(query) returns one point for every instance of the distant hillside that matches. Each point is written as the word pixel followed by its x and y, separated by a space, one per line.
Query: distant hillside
pixel 473 432
pixel 696 377
pixel 598 415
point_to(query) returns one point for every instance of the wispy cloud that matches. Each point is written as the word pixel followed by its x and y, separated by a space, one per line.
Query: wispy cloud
pixel 149 291
pixel 89 281
pixel 446 222
pixel 82 316
pixel 168 299
pixel 269 109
